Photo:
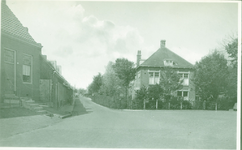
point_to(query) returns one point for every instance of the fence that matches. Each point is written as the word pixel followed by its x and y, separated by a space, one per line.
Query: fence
pixel 174 103
pixel 111 102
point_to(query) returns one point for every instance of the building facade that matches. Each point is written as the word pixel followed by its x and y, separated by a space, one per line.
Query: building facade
pixel 54 89
pixel 24 70
pixel 20 71
pixel 149 71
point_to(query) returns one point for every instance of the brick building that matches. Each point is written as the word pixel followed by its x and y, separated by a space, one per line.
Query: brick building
pixel 20 71
pixel 25 72
pixel 149 71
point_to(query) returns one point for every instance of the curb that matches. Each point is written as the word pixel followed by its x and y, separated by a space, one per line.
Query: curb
pixel 65 116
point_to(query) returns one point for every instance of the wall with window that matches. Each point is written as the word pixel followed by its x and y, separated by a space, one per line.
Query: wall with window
pixel 26 70
pixel 151 76
pixel 188 90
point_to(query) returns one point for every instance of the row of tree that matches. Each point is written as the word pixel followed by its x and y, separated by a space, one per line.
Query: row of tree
pixel 216 76
pixel 113 85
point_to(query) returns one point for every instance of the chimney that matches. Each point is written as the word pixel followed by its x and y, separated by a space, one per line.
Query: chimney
pixel 138 58
pixel 162 43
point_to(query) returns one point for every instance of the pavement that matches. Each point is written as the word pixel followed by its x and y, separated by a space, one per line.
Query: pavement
pixel 67 110
pixel 22 124
pixel 19 125
pixel 101 127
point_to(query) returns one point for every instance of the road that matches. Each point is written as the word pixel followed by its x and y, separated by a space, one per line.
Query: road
pixel 102 127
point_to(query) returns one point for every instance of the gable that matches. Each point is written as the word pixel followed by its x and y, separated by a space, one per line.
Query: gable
pixel 159 58
pixel 11 26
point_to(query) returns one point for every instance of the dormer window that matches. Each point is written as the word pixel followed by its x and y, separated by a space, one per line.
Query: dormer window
pixel 169 63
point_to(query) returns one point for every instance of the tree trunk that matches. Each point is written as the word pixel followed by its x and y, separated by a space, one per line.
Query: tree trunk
pixel 181 105
pixel 144 103
pixel 216 106
pixel 156 104
pixel 169 105
pixel 204 105
pixel 126 95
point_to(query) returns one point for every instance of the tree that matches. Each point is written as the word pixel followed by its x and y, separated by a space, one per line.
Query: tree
pixel 94 87
pixel 210 76
pixel 140 98
pixel 232 50
pixel 82 91
pixel 155 93
pixel 170 82
pixel 125 71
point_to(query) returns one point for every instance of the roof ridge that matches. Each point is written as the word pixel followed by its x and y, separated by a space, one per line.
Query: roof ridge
pixel 13 26
pixel 179 56
pixel 163 53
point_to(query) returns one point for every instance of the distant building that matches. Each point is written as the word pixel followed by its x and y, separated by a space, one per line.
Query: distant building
pixel 149 71
pixel 54 89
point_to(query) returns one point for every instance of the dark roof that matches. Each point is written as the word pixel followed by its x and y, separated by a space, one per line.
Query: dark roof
pixel 13 27
pixel 157 59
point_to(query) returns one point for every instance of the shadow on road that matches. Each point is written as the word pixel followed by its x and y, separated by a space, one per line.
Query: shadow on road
pixel 79 109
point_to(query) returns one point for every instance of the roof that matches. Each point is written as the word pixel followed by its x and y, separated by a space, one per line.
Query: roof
pixel 10 25
pixel 157 59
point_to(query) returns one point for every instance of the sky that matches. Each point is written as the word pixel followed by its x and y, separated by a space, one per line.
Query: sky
pixel 83 36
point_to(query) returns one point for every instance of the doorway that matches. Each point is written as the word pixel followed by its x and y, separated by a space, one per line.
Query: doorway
pixel 9 72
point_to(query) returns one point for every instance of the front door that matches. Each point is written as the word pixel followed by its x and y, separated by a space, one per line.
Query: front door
pixel 9 72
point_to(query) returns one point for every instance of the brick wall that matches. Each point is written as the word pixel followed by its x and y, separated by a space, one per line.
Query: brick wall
pixel 21 48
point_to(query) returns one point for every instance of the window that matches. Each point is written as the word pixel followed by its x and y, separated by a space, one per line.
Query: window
pixel 169 63
pixel 154 77
pixel 27 68
pixel 185 77
pixel 183 94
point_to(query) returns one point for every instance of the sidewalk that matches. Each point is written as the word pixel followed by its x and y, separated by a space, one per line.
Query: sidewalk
pixel 18 125
pixel 65 111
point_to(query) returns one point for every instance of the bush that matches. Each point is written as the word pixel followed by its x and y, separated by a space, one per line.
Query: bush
pixel 151 104
pixel 186 105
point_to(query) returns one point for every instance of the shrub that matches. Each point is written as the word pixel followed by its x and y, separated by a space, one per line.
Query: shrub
pixel 186 105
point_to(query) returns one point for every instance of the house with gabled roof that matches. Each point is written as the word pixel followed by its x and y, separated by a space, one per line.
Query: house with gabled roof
pixel 149 70
pixel 19 58
pixel 25 72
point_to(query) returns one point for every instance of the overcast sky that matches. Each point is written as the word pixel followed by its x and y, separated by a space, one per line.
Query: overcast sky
pixel 84 36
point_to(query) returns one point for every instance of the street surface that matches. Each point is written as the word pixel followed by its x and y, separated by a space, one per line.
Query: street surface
pixel 102 127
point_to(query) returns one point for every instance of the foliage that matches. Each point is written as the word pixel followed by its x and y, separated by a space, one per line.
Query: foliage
pixel 210 76
pixel 141 95
pixel 155 92
pixel 232 50
pixel 231 90
pixel 170 82
pixel 186 105
pixel 111 83
pixel 96 84
pixel 125 70
pixel 82 91
pixel 115 83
